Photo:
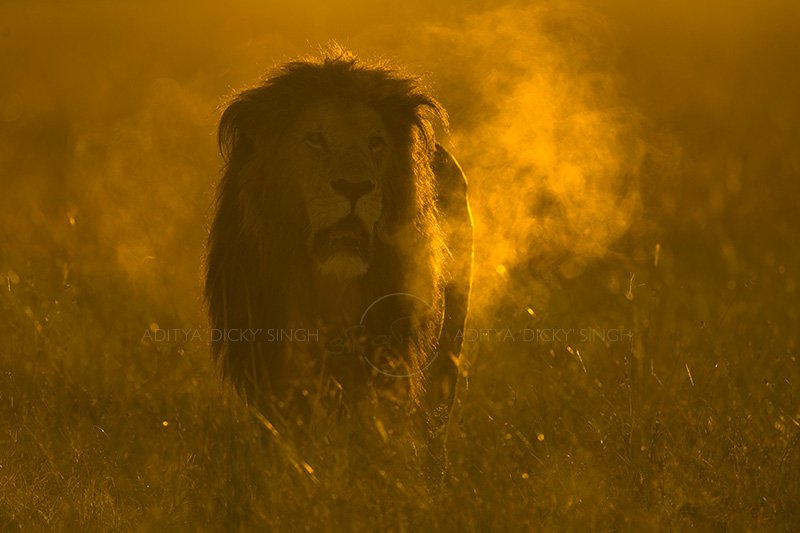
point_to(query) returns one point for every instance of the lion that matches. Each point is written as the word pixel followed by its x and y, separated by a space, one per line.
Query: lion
pixel 339 216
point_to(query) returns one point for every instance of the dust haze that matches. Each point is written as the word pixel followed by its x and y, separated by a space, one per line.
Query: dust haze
pixel 559 111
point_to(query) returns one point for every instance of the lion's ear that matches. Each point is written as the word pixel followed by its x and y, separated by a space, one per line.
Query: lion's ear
pixel 253 115
pixel 235 135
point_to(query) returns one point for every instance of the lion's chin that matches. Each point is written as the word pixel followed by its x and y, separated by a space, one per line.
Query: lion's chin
pixel 343 265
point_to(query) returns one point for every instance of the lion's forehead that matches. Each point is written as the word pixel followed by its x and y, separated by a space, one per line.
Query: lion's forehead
pixel 342 122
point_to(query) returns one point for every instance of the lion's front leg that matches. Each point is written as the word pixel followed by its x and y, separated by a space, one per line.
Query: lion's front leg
pixel 442 383
pixel 441 379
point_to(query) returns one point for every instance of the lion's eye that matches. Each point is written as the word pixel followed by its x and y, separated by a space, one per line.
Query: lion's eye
pixel 316 140
pixel 376 144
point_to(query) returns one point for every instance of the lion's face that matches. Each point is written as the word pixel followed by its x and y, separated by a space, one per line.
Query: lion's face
pixel 339 156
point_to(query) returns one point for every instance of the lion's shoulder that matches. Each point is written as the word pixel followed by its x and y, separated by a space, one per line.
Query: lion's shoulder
pixel 451 182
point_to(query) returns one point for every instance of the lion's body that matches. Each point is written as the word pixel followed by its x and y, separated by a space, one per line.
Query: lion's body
pixel 339 213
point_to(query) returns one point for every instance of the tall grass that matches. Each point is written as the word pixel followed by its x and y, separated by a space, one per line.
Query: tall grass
pixel 691 422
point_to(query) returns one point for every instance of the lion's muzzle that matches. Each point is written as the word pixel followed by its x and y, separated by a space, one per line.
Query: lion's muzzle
pixel 343 249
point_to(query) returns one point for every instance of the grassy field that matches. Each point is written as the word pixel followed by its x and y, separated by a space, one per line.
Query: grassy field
pixel 691 422
pixel 648 242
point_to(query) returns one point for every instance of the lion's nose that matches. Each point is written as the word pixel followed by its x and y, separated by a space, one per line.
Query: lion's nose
pixel 352 190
